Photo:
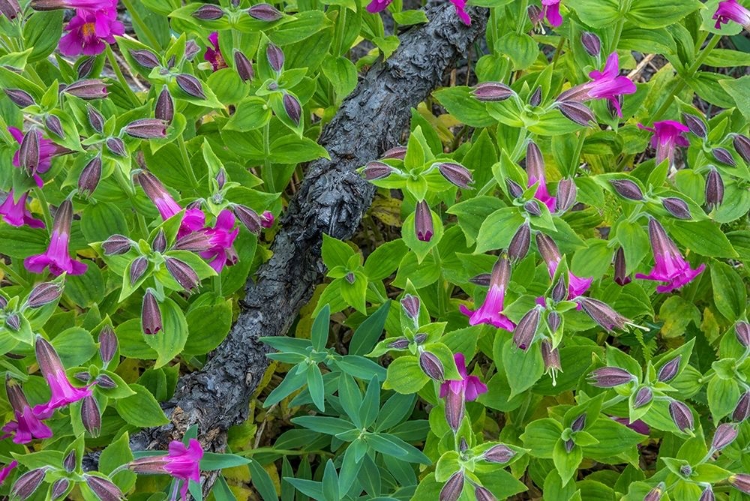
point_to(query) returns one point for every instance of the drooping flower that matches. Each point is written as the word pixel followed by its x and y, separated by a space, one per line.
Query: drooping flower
pixel 182 463
pixel 551 10
pixel 731 10
pixel 670 266
pixel 6 471
pixel 535 170
pixel 458 391
pixel 490 311
pixel 551 255
pixel 63 393
pixel 213 54
pixel 606 84
pixel 460 6
pixel 193 218
pixel 47 149
pixel 16 214
pixel 376 6
pixel 221 237
pixel 27 425
pixel 668 135
pixel 90 30
pixel 57 257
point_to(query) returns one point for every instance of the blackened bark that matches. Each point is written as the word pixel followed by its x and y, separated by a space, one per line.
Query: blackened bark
pixel 332 200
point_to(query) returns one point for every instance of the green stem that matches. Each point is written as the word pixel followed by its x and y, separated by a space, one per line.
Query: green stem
pixel 267 173
pixel 145 30
pixel 12 274
pixel 39 194
pixel 121 78
pixel 442 299
pixel 522 16
pixel 186 160
pixel 613 401
pixel 558 50
pixel 620 24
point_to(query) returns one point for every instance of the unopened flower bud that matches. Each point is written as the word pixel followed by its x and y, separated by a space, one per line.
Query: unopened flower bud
pixel 677 207
pixel 13 322
pixel 523 334
pixel 147 128
pixel 69 463
pixel 87 89
pixel 83 376
pixel 492 92
pixel 559 291
pixel 483 494
pixel 91 416
pixel 90 176
pixel 190 85
pixel 655 494
pixel 104 488
pixel 116 245
pixel 724 435
pixel 10 9
pixel 621 277
pixel 741 481
pixel 554 320
pixel 292 108
pixel 19 97
pixel 183 273
pixel 591 43
pixel 707 494
pixel 243 66
pixel 536 98
pixel 742 331
pixel 247 217
pixel 196 241
pixel 724 156
pixel 106 382
pixel 265 12
pixel 681 415
pixel 160 242
pixel 742 146
pixel 643 397
pixel 566 194
pixel 116 146
pixel 192 49
pixel 609 377
pixel 107 344
pixel 514 188
pixel 164 106
pixel 602 313
pixel 398 153
pixel 482 280
pixel 96 119
pixel 145 58
pixel 399 344
pixel 423 222
pixel 150 314
pixel 27 484
pixel 742 410
pixel 55 126
pixel 499 453
pixel 536 15
pixel 627 189
pixel 376 170
pixel 209 13
pixel 350 277
pixel 44 294
pixel 59 488
pixel 137 269
pixel 695 124
pixel 275 57
pixel 452 489
pixel 3 302
pixel 668 371
pixel 520 243
pixel 577 112
pixel 456 174
pixel 579 423
pixel 432 366
pixel 28 152
pixel 420 338
pixel 410 304
pixel 714 189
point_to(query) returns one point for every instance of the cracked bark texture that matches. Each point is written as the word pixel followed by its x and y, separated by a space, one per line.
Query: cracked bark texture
pixel 332 200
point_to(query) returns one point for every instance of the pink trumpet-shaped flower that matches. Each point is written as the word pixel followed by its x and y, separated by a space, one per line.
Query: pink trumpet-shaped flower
pixel 91 29
pixel 731 10
pixel 670 266
pixel 57 256
pixel 458 391
pixel 182 463
pixel 27 425
pixel 213 54
pixel 63 393
pixel 193 219
pixel 376 6
pixel 7 470
pixel 16 214
pixel 551 9
pixel 47 149
pixel 668 135
pixel 606 84
pixel 490 311
pixel 221 238
pixel 535 170
pixel 551 255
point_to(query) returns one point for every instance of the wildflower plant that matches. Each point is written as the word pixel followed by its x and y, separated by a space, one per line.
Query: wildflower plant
pixel 547 298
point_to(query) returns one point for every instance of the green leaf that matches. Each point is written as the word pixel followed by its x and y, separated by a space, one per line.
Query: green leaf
pixel 290 149
pixel 461 104
pixel 703 237
pixel 393 446
pixel 385 259
pixel 523 368
pixel 22 242
pixel 653 14
pixel 613 437
pixel 634 242
pixel 209 320
pixel 336 252
pixel 473 213
pixel 303 26
pixel 324 424
pixel 42 32
pixel 409 235
pixel 593 261
pixel 596 13
pixel 723 395
pixel 739 90
pixel 405 376
pixel 262 482
pixel 521 48
pixel 101 221
pixel 213 461
pixel 541 436
pixel 367 334
pixel 142 409
pixel 342 74
pixel 75 346
pixel 252 113
pixel 169 341
pixel 566 463
pixel 730 295
pixel 498 229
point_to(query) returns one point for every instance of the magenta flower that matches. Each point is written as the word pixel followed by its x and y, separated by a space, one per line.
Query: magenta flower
pixel 6 471
pixel 551 9
pixel 159 195
pixel 670 266
pixel 266 219
pixel 90 29
pixel 63 393
pixel 214 55
pixel 376 6
pixel 637 426
pixel 182 463
pixel 27 425
pixel 47 149
pixel 577 286
pixel 607 84
pixel 535 170
pixel 458 391
pixel 460 6
pixel 490 311
pixel 221 238
pixel 57 257
pixel 16 214
pixel 667 137
pixel 730 10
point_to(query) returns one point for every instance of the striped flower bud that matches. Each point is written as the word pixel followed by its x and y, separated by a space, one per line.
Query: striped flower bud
pixel 116 245
pixel 483 494
pixel 536 98
pixel 27 484
pixel 591 43
pixel 499 453
pixel 145 58
pixel 579 423
pixel 452 489
pixel 137 269
pixel 106 382
pixel 554 320
pixel 69 463
pixel 681 415
pixel 19 97
pixel 456 174
pixel 147 128
pixel 96 119
pixel 621 277
pixel 104 488
pixel 410 304
pixel 247 217
pixel 742 146
pixel 677 207
pixel 627 189
pixel 293 108
pixel 376 170
pixel 423 222
pixel 492 92
pixel 559 291
pixel 91 416
pixel 742 331
pixel 183 273
pixel 577 112
pixel 707 494
pixel 190 85
pixel 514 188
pixel 160 242
pixel 520 243
pixel 523 334
pixel 107 344
pixel 398 153
pixel 192 49
pixel 643 397
pixel 432 366
pixel 399 344
pixel 566 194
pixel 13 322
pixel 83 376
pixel 196 241
pixel 87 89
pixel 724 156
pixel 10 9
pixel 164 106
pixel 420 338
pixel 482 280
pixel 28 152
pixel 150 314
pixel 602 313
pixel 44 294
pixel 209 13
pixel 656 493
pixel 275 57
pixel 695 125
pixel 265 12
pixel 54 125
pixel 243 66
pixel 714 189
pixel 90 176
pixel 609 377
pixel 60 488
pixel 742 410
pixel 724 435
pixel 668 371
